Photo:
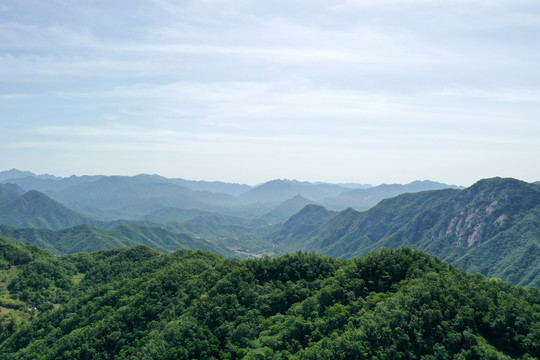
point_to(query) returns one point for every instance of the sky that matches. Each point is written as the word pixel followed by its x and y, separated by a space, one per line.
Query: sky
pixel 365 91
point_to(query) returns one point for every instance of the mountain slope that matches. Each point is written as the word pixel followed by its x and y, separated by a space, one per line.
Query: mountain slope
pixel 86 238
pixel 364 199
pixel 174 215
pixel 135 303
pixel 35 209
pixel 358 229
pixel 45 183
pixel 286 209
pixel 491 227
pixel 298 231
pixel 18 174
pixel 133 197
pixel 212 186
pixel 9 192
pixel 130 197
pixel 277 191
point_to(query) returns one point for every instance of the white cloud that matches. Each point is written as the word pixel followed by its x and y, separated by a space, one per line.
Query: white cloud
pixel 14 96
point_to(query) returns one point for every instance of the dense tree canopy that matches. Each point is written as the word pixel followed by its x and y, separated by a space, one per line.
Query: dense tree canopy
pixel 137 303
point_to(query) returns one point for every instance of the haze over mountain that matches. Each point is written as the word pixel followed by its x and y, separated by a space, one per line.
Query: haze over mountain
pixel 132 197
pixel 9 192
pixel 363 199
pixel 50 183
pixel 86 238
pixel 35 209
pixel 499 238
pixel 115 197
pixel 287 208
pixel 281 190
pixel 18 174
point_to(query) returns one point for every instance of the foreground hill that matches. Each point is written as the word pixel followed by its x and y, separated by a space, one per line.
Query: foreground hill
pixel 492 227
pixel 86 238
pixel 17 174
pixel 35 209
pixel 136 303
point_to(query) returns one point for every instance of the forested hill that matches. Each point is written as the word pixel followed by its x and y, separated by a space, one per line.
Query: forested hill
pixel 9 192
pixel 86 238
pixel 492 227
pixel 137 303
pixel 35 209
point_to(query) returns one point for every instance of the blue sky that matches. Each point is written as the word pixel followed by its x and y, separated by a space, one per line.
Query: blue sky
pixel 368 91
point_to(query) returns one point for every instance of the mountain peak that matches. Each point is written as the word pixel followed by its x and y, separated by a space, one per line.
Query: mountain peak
pixel 34 194
pixel 10 191
pixel 18 174
pixel 309 214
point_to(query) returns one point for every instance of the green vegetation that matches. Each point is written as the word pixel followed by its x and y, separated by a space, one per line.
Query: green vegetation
pixel 9 192
pixel 35 209
pixel 88 238
pixel 364 199
pixel 492 227
pixel 138 303
pixel 29 277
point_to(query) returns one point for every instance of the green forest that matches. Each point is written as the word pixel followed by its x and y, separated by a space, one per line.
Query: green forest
pixel 139 303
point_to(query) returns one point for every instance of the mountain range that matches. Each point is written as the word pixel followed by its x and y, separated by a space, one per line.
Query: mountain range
pixel 133 197
pixel 492 227
pixel 364 199
pixel 86 238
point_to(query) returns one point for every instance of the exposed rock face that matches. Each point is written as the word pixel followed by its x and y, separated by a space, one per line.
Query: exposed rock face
pixel 469 225
pixel 486 207
pixel 500 219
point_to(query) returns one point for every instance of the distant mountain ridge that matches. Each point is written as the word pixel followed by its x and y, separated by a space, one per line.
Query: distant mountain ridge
pixel 363 199
pixel 9 192
pixel 492 227
pixel 132 197
pixel 280 190
pixel 18 174
pixel 86 238
pixel 46 183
